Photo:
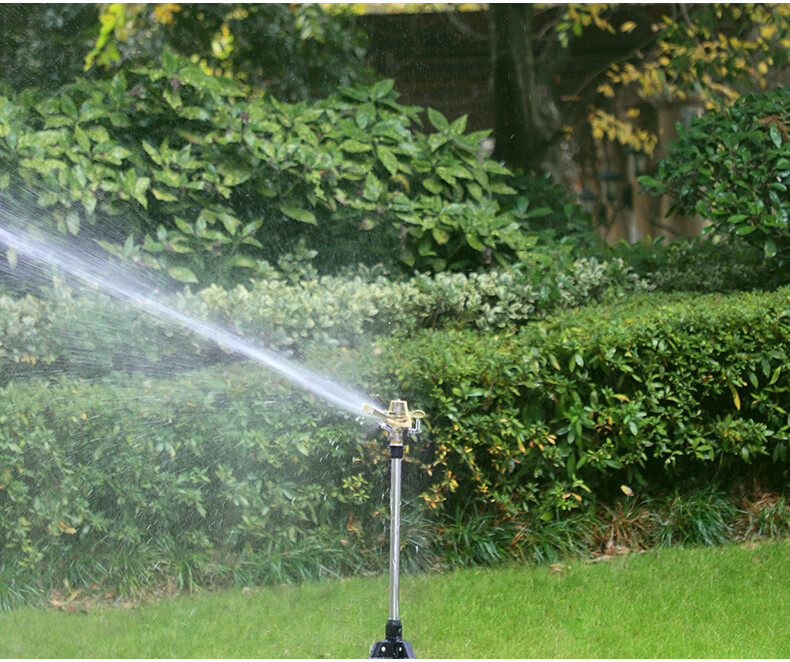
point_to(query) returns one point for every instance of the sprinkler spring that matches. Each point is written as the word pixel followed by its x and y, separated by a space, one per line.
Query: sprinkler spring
pixel 400 424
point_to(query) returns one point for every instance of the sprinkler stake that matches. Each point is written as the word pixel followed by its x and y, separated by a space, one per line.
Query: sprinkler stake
pixel 400 424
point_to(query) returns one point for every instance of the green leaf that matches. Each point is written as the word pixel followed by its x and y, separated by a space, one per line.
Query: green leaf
pixel 299 214
pixel 355 146
pixel 388 159
pixel 164 196
pixel 440 236
pixel 182 274
pixel 381 89
pixel 474 242
pixel 770 248
pixel 433 185
pixel 141 186
pixel 373 188
pixel 438 120
pixel 459 125
pixel 776 137
pixel 244 261
pixel 366 114
pixel 73 222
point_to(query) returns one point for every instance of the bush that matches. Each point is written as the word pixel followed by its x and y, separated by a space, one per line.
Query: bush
pixel 209 181
pixel 89 334
pixel 701 265
pixel 647 394
pixel 228 462
pixel 228 475
pixel 733 168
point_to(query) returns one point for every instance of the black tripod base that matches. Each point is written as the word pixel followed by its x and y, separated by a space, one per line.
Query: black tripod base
pixel 393 648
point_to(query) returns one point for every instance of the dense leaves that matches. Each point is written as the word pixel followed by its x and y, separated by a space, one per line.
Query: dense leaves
pixel 523 427
pixel 732 167
pixel 297 52
pixel 90 334
pixel 209 181
pixel 656 392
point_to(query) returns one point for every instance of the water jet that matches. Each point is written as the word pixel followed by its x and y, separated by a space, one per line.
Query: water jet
pixel 129 286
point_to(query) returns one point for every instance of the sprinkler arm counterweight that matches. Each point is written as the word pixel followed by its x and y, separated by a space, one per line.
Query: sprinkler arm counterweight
pixel 400 424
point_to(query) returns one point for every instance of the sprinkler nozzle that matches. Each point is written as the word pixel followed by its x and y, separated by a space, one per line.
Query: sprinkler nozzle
pixel 398 418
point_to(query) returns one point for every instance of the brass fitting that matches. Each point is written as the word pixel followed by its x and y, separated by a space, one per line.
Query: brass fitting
pixel 398 420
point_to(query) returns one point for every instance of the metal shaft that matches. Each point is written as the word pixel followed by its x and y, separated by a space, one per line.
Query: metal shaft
pixel 395 470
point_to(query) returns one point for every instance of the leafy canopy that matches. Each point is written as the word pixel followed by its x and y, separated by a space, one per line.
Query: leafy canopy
pixel 209 179
pixel 732 166
pixel 708 54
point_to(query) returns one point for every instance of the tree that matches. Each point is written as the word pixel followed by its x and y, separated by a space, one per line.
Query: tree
pixel 709 54
pixel 732 166
pixel 538 95
pixel 657 54
pixel 44 45
pixel 294 51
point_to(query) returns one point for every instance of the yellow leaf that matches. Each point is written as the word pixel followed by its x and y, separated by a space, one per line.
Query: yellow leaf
pixel 735 397
pixel 627 490
pixel 627 27
pixel 607 90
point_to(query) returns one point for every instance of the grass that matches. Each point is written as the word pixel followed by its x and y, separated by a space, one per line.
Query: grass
pixel 728 601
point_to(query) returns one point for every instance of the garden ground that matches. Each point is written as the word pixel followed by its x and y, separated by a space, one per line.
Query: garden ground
pixel 728 601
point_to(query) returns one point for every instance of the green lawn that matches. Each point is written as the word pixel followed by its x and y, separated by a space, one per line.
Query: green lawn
pixel 728 601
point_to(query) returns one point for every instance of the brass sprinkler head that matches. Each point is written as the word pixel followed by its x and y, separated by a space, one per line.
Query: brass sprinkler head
pixel 398 420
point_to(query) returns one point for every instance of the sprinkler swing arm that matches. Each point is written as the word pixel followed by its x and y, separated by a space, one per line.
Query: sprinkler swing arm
pixel 400 424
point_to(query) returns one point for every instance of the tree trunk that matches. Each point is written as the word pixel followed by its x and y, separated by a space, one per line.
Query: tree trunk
pixel 527 121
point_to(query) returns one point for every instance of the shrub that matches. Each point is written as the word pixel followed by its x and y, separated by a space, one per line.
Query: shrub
pixel 701 265
pixel 656 391
pixel 206 179
pixel 227 474
pixel 86 333
pixel 226 462
pixel 732 167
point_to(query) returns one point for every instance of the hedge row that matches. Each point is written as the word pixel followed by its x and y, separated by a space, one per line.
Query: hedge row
pixel 658 391
pixel 240 471
pixel 227 460
pixel 85 333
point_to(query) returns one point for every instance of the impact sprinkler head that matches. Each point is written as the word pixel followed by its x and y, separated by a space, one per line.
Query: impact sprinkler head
pixel 398 420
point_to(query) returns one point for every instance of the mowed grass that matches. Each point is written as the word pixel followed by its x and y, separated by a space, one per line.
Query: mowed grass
pixel 729 601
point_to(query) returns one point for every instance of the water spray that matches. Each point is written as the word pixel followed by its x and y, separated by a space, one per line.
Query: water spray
pixel 400 424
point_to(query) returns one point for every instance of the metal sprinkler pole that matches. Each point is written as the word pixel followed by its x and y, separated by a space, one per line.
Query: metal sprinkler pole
pixel 395 478
pixel 400 425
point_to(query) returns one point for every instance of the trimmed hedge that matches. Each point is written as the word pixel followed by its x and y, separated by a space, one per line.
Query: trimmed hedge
pixel 227 475
pixel 658 391
pixel 228 463
pixel 85 333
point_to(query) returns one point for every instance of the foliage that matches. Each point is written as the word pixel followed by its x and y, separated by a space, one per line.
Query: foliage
pixel 699 264
pixel 210 182
pixel 208 462
pixel 297 52
pixel 89 334
pixel 733 168
pixel 654 392
pixel 709 53
pixel 529 431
